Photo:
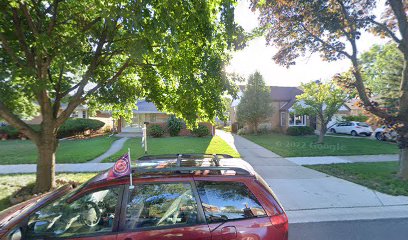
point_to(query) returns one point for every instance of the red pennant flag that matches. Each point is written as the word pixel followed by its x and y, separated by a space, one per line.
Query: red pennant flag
pixel 121 167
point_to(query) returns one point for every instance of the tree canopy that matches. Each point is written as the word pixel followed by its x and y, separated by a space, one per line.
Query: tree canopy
pixel 322 100
pixel 110 54
pixel 255 104
pixel 332 29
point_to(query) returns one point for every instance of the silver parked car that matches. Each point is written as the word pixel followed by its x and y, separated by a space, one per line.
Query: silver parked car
pixel 385 133
pixel 353 128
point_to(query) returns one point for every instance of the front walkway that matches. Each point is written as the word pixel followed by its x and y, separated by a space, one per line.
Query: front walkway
pixel 116 146
pixel 309 195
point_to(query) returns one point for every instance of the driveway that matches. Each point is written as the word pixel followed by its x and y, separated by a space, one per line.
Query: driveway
pixel 311 196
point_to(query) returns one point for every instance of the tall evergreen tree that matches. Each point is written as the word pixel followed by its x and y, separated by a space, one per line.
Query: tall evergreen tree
pixel 255 104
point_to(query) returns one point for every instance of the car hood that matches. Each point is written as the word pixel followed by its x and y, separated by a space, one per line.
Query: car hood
pixel 11 214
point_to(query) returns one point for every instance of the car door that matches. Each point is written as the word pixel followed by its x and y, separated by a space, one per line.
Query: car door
pixel 163 210
pixel 92 215
pixel 233 212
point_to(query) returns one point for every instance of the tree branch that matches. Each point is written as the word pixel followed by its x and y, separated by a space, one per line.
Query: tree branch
pixel 54 17
pixel 385 29
pixel 29 18
pixel 325 43
pixel 15 121
pixel 21 39
pixel 9 50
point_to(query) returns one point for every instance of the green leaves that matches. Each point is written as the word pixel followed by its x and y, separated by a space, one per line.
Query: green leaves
pixel 322 100
pixel 255 104
pixel 174 52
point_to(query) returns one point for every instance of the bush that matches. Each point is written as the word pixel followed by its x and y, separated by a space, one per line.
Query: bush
pixel 156 130
pixel 299 131
pixel 201 131
pixel 242 131
pixel 174 125
pixel 359 118
pixel 75 126
pixel 10 131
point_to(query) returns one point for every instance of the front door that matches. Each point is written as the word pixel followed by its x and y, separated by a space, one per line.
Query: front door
pixel 163 211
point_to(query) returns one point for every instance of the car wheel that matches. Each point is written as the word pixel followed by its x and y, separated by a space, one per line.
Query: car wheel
pixel 332 130
pixel 354 133
pixel 379 136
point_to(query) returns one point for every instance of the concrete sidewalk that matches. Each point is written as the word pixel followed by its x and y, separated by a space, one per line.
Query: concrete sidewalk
pixel 344 159
pixel 307 194
pixel 68 167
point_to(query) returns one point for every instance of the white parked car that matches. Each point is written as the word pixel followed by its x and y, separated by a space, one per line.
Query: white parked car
pixel 384 133
pixel 353 128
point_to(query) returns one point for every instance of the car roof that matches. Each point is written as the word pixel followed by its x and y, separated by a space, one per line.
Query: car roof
pixel 176 165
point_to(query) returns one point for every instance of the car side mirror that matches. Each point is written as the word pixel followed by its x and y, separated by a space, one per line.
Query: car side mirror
pixel 15 234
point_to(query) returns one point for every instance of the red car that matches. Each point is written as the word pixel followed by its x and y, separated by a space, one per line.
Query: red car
pixel 189 197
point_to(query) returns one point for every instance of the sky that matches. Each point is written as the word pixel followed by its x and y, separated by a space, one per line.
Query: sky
pixel 258 56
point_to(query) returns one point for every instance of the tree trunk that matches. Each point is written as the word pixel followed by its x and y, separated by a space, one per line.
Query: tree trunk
pixel 403 158
pixel 46 147
pixel 322 132
pixel 403 173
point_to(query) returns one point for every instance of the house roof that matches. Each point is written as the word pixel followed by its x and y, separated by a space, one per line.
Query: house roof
pixel 146 107
pixel 284 94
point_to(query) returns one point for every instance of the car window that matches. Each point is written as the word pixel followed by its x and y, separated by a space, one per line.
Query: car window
pixel 92 213
pixel 161 204
pixel 224 201
pixel 362 124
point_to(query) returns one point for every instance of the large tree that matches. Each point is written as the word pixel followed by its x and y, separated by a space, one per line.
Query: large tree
pixel 322 100
pixel 110 53
pixel 255 104
pixel 382 68
pixel 332 28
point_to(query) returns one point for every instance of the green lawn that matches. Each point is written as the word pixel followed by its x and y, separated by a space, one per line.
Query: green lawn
pixel 69 151
pixel 380 176
pixel 174 145
pixel 303 146
pixel 13 182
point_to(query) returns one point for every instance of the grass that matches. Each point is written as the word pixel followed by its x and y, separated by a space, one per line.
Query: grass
pixel 69 151
pixel 174 145
pixel 305 146
pixel 13 182
pixel 380 176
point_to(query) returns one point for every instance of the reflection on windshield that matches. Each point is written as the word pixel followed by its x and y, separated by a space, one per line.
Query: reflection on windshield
pixel 94 212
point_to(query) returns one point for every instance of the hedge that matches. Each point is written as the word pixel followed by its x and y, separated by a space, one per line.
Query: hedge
pixel 75 126
pixel 299 131
pixel 201 131
pixel 156 130
pixel 70 127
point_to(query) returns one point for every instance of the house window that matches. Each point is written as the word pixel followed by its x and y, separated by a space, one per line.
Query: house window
pixel 83 114
pixel 283 119
pixel 75 114
pixel 152 117
pixel 297 120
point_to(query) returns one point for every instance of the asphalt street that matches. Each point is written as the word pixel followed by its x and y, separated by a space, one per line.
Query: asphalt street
pixel 380 229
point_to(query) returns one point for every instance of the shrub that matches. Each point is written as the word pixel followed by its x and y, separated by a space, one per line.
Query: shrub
pixel 242 131
pixel 201 131
pixel 74 126
pixel 174 125
pixel 299 131
pixel 155 130
pixel 359 118
pixel 10 131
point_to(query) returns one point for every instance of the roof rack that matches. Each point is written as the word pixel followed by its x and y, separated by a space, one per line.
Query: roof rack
pixel 237 170
pixel 184 156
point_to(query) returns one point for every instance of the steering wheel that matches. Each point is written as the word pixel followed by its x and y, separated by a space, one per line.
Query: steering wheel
pixel 90 214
